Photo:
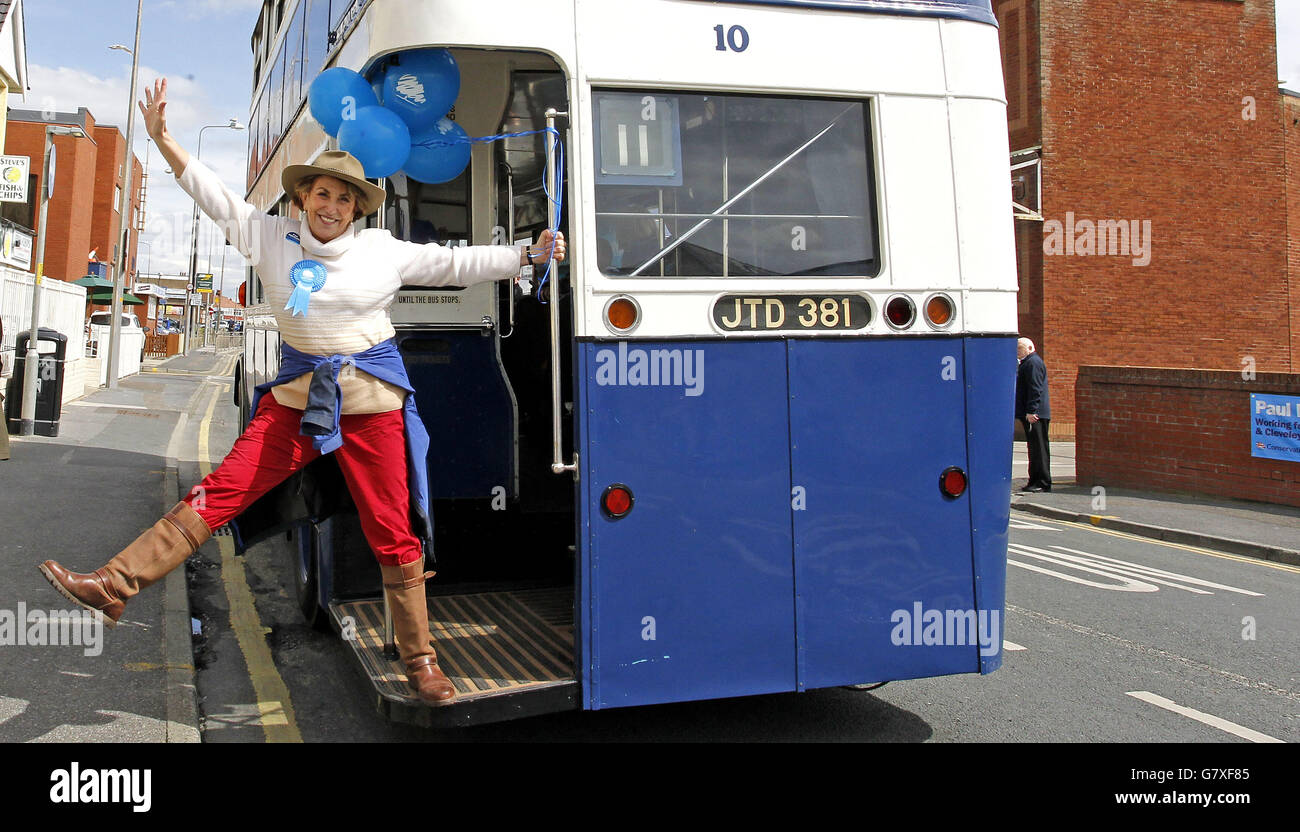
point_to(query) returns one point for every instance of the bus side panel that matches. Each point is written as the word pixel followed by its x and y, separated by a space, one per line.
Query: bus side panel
pixel 990 401
pixel 692 592
pixel 879 551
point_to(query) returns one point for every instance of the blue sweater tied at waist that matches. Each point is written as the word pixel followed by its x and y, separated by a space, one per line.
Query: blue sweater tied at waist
pixel 320 420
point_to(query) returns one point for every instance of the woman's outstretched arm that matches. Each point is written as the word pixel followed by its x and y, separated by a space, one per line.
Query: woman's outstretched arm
pixel 250 231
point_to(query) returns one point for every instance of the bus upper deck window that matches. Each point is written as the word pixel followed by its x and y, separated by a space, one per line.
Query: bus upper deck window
pixel 695 185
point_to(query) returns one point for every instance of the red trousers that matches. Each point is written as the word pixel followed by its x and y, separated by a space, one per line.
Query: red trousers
pixel 373 461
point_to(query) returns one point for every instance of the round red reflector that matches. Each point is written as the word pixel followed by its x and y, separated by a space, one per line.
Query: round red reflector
pixel 616 501
pixel 952 482
pixel 900 312
pixel 621 314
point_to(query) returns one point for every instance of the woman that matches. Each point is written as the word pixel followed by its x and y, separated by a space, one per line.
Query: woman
pixel 342 387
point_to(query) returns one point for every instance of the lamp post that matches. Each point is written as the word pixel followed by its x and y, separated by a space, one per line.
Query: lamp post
pixel 27 425
pixel 123 211
pixel 233 124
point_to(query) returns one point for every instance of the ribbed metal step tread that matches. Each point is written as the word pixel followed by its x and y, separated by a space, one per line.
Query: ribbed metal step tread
pixel 488 643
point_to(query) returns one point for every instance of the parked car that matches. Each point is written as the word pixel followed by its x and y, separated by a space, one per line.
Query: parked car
pixel 105 319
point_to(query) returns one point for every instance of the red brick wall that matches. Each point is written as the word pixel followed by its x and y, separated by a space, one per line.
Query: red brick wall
pixel 110 170
pixel 1178 430
pixel 81 215
pixel 1018 26
pixel 69 213
pixel 1291 126
pixel 1142 119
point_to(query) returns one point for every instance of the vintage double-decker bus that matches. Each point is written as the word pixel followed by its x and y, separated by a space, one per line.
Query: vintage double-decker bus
pixel 758 440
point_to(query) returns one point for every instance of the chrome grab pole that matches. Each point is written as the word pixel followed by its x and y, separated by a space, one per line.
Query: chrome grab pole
pixel 390 643
pixel 510 234
pixel 558 465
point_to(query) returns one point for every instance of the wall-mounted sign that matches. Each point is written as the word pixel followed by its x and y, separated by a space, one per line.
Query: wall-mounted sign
pixel 16 248
pixel 13 178
pixel 1275 427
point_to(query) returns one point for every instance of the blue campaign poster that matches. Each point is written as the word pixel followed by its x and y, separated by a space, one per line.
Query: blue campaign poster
pixel 1275 427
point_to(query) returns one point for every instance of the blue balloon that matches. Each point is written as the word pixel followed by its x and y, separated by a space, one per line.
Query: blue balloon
pixel 378 138
pixel 336 93
pixel 438 154
pixel 420 86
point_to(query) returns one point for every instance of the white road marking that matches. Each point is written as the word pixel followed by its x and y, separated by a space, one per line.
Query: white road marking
pixel 1011 645
pixel 11 707
pixel 1149 572
pixel 1202 717
pixel 1125 583
pixel 1021 524
pixel 1129 577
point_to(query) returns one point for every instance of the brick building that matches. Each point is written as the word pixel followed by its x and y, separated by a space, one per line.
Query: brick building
pixel 89 175
pixel 1163 147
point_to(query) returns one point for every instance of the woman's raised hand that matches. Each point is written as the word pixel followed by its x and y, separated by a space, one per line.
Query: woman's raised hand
pixel 155 115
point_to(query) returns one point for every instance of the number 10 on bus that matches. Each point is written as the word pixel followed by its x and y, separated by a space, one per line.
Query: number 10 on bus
pixel 736 38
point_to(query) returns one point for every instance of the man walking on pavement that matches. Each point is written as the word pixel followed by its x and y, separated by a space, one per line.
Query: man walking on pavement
pixel 1034 410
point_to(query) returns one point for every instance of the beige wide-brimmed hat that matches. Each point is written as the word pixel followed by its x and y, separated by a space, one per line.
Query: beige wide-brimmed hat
pixel 341 165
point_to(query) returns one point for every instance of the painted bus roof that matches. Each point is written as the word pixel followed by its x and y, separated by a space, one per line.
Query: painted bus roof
pixel 978 10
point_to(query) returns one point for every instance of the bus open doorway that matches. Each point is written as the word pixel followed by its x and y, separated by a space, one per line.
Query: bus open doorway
pixel 501 606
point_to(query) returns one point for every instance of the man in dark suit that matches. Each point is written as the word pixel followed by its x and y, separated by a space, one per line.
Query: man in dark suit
pixel 1034 410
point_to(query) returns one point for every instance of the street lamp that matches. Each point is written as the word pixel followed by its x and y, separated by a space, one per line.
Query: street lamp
pixel 233 124
pixel 27 425
pixel 123 210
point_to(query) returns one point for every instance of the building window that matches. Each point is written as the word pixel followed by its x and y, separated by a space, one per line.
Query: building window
pixel 117 197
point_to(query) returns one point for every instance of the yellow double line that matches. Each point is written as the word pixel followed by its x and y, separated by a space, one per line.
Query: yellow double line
pixel 272 694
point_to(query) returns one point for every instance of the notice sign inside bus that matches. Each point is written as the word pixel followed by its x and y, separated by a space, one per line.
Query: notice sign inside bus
pixel 1275 427
pixel 736 313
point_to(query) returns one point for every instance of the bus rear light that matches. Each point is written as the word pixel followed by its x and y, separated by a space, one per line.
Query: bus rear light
pixel 617 501
pixel 622 314
pixel 939 310
pixel 900 312
pixel 952 482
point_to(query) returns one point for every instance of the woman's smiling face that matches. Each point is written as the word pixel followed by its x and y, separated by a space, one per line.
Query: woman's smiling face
pixel 330 207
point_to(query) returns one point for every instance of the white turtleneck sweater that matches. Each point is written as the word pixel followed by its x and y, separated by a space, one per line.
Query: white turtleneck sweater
pixel 365 270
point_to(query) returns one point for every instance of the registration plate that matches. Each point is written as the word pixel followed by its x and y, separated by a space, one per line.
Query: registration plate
pixel 748 313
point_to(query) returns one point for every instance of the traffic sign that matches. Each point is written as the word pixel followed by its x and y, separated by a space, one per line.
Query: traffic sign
pixel 203 282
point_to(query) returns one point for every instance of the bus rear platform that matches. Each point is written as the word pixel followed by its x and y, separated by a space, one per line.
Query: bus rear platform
pixel 509 654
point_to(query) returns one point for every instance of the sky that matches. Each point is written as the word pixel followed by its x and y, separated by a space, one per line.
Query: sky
pixel 202 47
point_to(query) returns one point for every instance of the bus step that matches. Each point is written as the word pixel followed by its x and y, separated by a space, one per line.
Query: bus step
pixel 509 654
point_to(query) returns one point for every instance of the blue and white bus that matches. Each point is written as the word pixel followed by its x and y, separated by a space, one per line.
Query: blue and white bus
pixel 759 439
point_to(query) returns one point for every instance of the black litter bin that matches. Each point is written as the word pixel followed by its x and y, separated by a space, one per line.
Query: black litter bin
pixel 52 348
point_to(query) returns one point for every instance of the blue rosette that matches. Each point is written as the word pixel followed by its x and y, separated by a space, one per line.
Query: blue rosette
pixel 306 276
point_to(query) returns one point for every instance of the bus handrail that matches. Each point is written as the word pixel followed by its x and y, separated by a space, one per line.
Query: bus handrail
pixel 558 465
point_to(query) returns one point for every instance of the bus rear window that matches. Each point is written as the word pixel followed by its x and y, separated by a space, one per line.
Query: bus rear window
pixel 733 186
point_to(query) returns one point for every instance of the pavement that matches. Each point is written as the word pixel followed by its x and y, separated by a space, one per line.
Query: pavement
pixel 1259 530
pixel 79 498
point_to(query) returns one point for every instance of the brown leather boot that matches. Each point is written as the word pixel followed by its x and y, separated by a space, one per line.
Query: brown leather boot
pixel 149 557
pixel 404 586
